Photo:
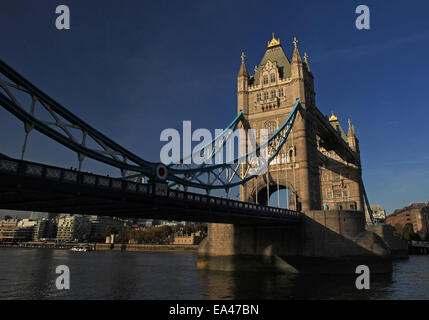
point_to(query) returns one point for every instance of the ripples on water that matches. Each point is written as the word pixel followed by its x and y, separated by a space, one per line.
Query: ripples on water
pixel 30 274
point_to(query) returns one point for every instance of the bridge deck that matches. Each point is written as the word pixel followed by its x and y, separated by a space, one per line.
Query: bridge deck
pixel 37 187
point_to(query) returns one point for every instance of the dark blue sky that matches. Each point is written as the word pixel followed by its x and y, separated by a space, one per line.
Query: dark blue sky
pixel 134 68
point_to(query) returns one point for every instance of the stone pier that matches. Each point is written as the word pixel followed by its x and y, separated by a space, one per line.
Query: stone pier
pixel 323 242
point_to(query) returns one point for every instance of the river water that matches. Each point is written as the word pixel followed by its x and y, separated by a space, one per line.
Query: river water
pixel 30 274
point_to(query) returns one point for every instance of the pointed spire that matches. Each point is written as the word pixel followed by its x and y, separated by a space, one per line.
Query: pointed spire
pixel 306 61
pixel 296 56
pixel 351 131
pixel 243 69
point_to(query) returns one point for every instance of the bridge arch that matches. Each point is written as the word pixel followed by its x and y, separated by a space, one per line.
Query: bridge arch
pixel 260 191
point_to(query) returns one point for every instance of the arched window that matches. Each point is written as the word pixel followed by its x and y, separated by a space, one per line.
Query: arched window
pixel 290 155
pixel 281 92
pixel 273 77
pixel 273 94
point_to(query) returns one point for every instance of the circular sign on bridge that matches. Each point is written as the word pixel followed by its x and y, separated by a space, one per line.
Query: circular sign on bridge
pixel 161 172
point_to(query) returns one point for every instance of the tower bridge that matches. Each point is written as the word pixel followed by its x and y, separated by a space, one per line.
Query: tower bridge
pixel 307 153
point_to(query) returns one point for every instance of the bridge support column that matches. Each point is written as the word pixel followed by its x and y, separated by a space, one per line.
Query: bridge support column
pixel 323 242
pixel 307 166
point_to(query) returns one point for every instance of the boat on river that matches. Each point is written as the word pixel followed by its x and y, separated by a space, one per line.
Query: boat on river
pixel 81 249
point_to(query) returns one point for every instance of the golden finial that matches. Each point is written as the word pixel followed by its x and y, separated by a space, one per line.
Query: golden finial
pixel 242 56
pixel 333 117
pixel 274 42
pixel 305 57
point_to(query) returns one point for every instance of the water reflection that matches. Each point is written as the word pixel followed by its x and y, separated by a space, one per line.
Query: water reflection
pixel 222 285
pixel 30 274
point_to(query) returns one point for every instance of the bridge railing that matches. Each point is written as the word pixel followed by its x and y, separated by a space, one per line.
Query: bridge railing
pixel 37 171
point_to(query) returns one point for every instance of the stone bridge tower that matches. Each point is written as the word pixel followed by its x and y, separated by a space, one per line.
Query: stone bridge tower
pixel 331 236
pixel 266 99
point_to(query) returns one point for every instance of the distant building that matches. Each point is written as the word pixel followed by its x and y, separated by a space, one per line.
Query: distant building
pixel 45 228
pixel 417 214
pixel 16 230
pixel 192 239
pixel 73 228
pixel 378 213
pixel 99 225
pixel 113 238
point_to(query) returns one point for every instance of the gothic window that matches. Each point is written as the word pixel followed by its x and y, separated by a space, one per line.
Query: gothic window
pixel 273 77
pixel 265 79
pixel 290 154
pixel 337 194
pixel 329 195
pixel 271 126
pixel 346 195
pixel 265 95
pixel 273 94
pixel 281 92
pixel 258 97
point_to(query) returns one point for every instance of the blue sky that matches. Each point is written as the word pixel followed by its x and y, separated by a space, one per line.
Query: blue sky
pixel 134 68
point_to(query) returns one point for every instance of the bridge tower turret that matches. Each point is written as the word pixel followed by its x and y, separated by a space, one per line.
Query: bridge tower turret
pixel 243 87
pixel 352 138
pixel 307 171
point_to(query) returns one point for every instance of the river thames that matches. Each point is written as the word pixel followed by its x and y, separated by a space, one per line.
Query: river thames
pixel 30 274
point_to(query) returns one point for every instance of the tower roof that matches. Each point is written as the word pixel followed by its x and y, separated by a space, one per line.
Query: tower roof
pixel 296 57
pixel 351 131
pixel 243 68
pixel 276 54
pixel 306 61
